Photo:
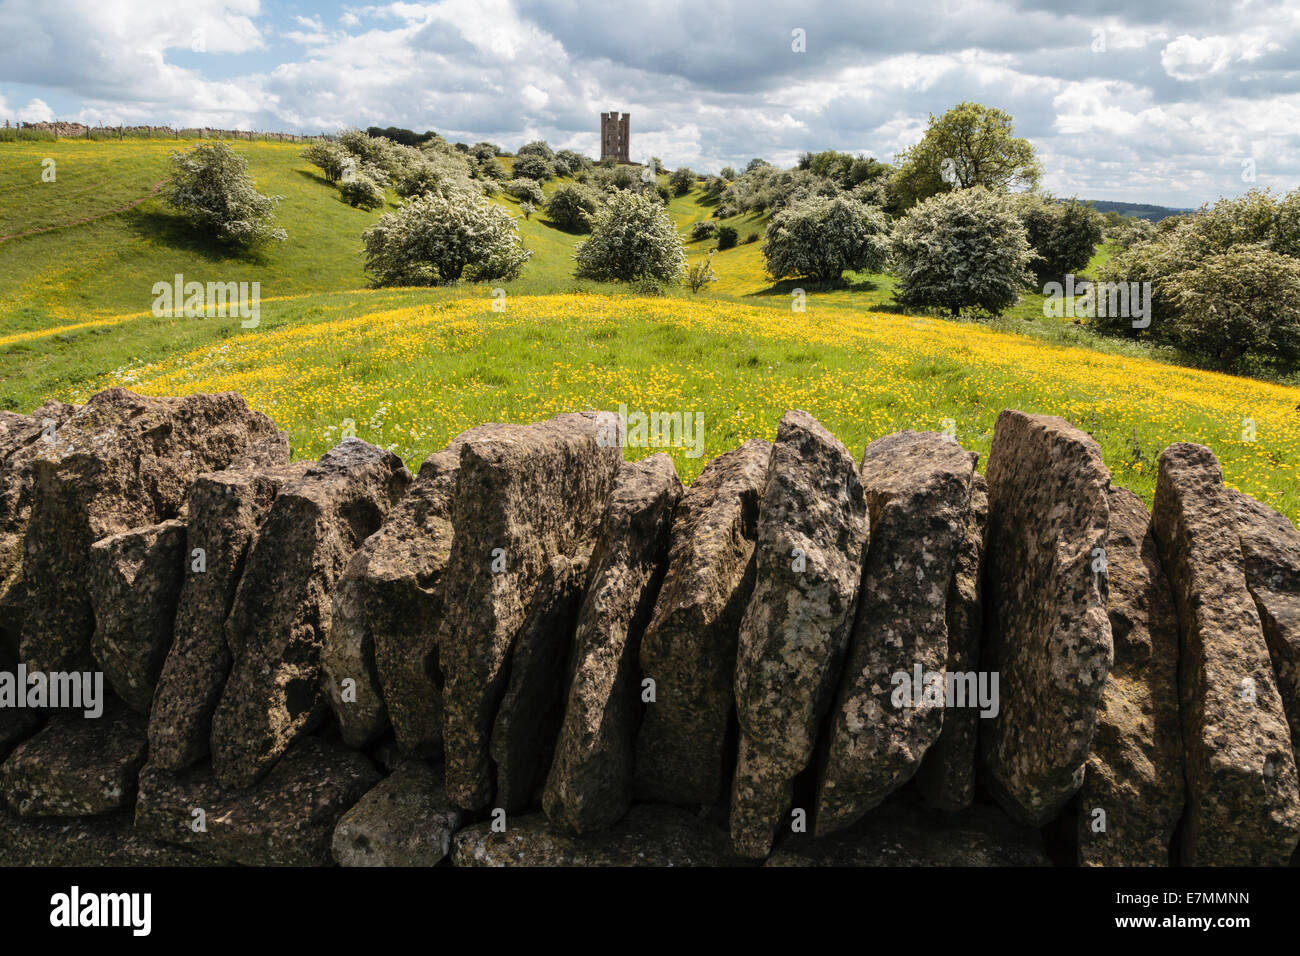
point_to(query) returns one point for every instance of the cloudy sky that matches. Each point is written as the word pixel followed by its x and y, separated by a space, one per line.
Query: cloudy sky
pixel 1147 101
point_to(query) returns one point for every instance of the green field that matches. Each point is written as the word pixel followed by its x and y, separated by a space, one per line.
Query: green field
pixel 411 368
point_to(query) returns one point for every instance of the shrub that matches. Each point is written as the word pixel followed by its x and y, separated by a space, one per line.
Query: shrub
pixel 714 187
pixel 210 186
pixel 820 238
pixel 1238 302
pixel 417 179
pixel 1153 261
pixel 538 147
pixel 378 174
pixel 328 158
pixel 727 237
pixel 527 190
pixel 570 163
pixel 1062 235
pixel 681 181
pixel 701 274
pixel 1132 231
pixel 632 239
pixel 617 177
pixel 703 230
pixel 961 249
pixel 362 192
pixel 752 237
pixel 364 147
pixel 534 167
pixel 572 207
pixel 436 239
pixel 491 169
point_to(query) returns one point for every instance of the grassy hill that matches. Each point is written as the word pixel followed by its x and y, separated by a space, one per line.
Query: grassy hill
pixel 411 368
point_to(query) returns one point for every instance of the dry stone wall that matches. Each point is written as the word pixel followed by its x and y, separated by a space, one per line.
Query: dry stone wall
pixel 534 652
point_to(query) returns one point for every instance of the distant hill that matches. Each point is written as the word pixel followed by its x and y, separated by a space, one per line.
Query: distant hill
pixel 1138 209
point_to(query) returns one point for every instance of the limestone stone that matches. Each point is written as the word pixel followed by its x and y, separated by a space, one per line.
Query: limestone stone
pixel 405 820
pixel 1135 769
pixel 524 495
pixel 285 819
pixel 281 612
pixel 947 774
pixel 77 766
pixel 532 711
pixel 918 497
pixel 224 511
pixel 121 461
pixel 1048 634
pixel 589 786
pixel 689 648
pixel 134 579
pixel 812 533
pixel 1243 806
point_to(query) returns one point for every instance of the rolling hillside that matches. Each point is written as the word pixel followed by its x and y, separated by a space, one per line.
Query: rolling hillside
pixel 411 368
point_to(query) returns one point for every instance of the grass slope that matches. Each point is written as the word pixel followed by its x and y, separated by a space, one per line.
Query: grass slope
pixel 411 368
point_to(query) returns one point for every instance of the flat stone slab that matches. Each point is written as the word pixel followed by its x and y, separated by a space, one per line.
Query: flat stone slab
pixel 1132 796
pixel 947 774
pixel 524 495
pixel 281 614
pixel 689 648
pixel 918 487
pixel 589 786
pixel 135 581
pixel 1270 547
pixel 405 820
pixel 649 835
pixel 812 534
pixel 22 438
pixel 531 714
pixel 77 766
pixel 108 840
pixel 224 511
pixel 1048 634
pixel 1243 806
pixel 286 819
pixel 386 609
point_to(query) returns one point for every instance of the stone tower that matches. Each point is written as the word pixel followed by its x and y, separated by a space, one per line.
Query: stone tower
pixel 614 136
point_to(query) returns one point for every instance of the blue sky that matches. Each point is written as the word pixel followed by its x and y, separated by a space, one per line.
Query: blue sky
pixel 1173 103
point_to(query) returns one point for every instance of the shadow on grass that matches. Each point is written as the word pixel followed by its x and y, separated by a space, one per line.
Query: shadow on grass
pixel 565 230
pixel 177 233
pixel 787 286
pixel 317 178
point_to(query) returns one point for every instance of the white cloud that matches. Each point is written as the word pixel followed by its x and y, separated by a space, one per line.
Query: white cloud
pixel 1164 114
pixel 1194 58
